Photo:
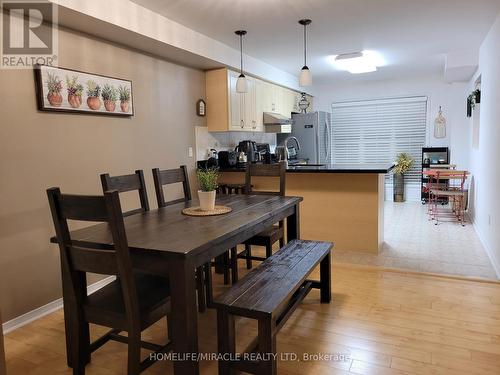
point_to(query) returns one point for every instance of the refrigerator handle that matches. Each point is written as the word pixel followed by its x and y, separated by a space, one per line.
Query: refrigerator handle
pixel 328 140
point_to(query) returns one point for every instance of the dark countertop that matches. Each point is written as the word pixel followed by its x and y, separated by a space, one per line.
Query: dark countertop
pixel 379 168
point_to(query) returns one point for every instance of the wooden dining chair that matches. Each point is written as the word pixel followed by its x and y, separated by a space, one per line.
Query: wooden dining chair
pixel 129 182
pixel 174 176
pixel 275 233
pixel 131 303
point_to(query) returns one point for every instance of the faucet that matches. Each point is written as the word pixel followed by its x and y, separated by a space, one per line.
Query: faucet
pixel 285 143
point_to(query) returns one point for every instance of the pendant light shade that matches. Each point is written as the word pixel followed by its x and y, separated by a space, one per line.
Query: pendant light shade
pixel 241 83
pixel 305 77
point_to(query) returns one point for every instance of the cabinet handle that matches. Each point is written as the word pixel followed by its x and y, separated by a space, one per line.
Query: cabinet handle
pixel 242 124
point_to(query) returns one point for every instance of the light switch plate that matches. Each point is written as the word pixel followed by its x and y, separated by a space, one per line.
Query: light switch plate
pixel 190 152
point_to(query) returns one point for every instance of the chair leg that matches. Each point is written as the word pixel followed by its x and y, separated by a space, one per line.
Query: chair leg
pixel 234 265
pixel 200 285
pixel 269 249
pixel 226 268
pixel 208 285
pixel 248 253
pixel 134 353
pixel 80 346
pixel 282 242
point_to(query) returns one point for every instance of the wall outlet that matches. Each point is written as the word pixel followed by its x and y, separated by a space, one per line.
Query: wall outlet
pixel 190 152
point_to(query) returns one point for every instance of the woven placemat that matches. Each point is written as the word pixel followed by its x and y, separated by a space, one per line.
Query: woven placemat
pixel 196 211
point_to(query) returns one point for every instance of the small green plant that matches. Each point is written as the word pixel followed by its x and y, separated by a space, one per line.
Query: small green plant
pixel 93 89
pixel 109 93
pixel 73 87
pixel 404 162
pixel 207 178
pixel 124 93
pixel 54 84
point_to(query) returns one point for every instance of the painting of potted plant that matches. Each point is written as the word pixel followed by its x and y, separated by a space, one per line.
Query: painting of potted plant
pixel 124 93
pixel 75 91
pixel 403 162
pixel 100 92
pixel 93 92
pixel 109 96
pixel 54 88
pixel 207 179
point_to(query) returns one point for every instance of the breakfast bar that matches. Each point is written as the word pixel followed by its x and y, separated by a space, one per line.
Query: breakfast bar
pixel 341 201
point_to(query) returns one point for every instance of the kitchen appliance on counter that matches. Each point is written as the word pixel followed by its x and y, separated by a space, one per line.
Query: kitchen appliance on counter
pixel 314 133
pixel 250 150
pixel 228 159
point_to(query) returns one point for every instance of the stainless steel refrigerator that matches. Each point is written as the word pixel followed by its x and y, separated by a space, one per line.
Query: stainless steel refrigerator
pixel 314 132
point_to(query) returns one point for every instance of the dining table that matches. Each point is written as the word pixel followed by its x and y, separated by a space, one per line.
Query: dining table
pixel 169 243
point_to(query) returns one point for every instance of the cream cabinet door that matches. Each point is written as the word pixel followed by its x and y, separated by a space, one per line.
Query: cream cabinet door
pixel 262 103
pixel 236 105
pixel 250 120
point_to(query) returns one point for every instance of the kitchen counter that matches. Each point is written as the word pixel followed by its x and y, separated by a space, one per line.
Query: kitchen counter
pixel 330 168
pixel 343 203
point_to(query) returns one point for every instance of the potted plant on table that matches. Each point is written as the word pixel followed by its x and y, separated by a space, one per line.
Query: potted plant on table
pixel 124 93
pixel 93 92
pixel 110 96
pixel 54 88
pixel 75 91
pixel 404 162
pixel 207 179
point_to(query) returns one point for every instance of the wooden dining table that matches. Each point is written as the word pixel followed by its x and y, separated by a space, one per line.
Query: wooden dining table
pixel 168 243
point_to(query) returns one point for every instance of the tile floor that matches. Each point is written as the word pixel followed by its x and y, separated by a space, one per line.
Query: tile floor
pixel 414 243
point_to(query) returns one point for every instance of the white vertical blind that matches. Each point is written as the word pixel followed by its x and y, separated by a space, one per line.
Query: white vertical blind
pixel 375 131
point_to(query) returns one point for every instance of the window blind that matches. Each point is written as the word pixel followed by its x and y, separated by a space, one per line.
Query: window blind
pixel 375 131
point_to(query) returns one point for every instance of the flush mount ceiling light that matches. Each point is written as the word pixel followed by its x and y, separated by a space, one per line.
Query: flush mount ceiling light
pixel 241 83
pixel 305 77
pixel 358 62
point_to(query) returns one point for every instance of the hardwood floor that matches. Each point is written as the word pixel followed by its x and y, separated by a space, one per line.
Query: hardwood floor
pixel 379 322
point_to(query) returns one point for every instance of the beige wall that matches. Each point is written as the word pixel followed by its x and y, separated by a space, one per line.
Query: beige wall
pixel 39 150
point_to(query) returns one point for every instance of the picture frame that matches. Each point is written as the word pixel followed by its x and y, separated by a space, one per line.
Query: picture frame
pixel 72 91
pixel 201 108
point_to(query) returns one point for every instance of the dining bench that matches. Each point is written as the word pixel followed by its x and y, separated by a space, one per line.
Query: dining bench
pixel 270 294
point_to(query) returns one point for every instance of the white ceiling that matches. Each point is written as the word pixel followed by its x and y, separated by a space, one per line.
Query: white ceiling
pixel 412 35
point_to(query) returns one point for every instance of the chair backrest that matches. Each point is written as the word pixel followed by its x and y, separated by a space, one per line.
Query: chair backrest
pixel 171 176
pixel 77 259
pixel 128 182
pixel 266 170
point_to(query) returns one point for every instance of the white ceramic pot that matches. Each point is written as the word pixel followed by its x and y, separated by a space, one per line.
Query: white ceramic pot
pixel 207 200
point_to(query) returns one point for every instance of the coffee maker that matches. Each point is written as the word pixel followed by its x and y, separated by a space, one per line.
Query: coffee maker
pixel 250 149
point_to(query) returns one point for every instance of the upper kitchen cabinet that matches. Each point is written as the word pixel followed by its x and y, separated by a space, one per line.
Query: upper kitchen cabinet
pixel 228 110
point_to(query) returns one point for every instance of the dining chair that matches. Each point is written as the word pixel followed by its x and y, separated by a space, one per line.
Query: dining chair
pixel 174 176
pixel 130 303
pixel 129 182
pixel 275 233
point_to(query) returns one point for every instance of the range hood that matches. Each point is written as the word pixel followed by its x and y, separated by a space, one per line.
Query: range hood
pixel 277 123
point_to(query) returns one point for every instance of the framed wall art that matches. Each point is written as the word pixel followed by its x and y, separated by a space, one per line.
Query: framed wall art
pixel 67 90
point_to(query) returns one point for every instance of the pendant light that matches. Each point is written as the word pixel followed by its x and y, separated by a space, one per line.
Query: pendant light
pixel 241 83
pixel 305 77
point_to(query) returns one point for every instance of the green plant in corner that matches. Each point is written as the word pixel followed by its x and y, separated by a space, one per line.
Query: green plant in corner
pixel 207 178
pixel 403 162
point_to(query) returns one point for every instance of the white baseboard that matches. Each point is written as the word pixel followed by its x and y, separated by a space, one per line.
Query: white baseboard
pixel 49 308
pixel 493 259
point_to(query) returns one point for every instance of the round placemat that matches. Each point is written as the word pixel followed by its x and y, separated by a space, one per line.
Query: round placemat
pixel 196 211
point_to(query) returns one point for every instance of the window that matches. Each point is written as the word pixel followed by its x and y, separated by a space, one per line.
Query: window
pixel 375 131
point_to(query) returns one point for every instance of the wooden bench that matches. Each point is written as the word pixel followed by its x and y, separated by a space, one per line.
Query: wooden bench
pixel 270 293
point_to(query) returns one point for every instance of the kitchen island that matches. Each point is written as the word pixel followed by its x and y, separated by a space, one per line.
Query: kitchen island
pixel 343 203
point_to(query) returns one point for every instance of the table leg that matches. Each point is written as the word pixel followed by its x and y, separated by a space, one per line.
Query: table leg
pixel 184 317
pixel 293 225
pixel 325 274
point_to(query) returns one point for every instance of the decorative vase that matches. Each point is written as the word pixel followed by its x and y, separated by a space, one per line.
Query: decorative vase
pixel 94 103
pixel 124 106
pixel 74 101
pixel 55 99
pixel 207 200
pixel 399 187
pixel 109 105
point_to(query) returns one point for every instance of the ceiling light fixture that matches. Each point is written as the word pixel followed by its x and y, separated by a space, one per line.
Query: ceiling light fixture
pixel 305 77
pixel 241 83
pixel 358 62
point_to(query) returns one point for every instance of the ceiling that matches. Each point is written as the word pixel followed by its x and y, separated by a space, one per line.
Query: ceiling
pixel 413 36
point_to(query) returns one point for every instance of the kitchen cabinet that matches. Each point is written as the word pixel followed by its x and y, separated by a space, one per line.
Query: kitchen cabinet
pixel 228 110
